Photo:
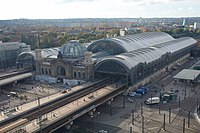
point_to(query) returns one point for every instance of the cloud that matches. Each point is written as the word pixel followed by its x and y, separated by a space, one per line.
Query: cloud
pixel 145 2
pixel 180 9
pixel 133 0
pixel 71 1
pixel 154 1
pixel 190 8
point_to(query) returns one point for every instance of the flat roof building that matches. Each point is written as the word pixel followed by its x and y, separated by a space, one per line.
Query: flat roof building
pixel 189 75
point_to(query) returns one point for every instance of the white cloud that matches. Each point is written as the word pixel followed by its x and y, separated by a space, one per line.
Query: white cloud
pixel 11 9
pixel 190 8
pixel 180 9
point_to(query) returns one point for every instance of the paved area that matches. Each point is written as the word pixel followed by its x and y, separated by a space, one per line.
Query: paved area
pixel 8 112
pixel 25 93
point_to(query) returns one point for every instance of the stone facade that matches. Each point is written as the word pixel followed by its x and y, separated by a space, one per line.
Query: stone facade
pixel 62 69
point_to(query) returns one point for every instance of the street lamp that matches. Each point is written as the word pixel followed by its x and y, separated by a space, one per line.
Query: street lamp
pixel 185 89
pixel 9 101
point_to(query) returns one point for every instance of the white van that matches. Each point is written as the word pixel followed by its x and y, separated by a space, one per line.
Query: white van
pixel 152 100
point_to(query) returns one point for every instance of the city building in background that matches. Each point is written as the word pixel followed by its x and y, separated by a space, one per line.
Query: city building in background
pixel 9 52
pixel 196 25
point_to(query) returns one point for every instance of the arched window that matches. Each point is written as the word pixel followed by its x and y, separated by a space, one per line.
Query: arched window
pixel 46 72
pixel 61 71
pixel 49 71
pixel 42 70
pixel 74 74
pixel 79 74
pixel 83 75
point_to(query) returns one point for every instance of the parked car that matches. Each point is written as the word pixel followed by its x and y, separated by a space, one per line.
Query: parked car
pixel 138 95
pixel 140 91
pixel 146 89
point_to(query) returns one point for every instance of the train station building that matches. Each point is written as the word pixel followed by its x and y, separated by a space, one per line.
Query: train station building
pixel 137 58
pixel 188 75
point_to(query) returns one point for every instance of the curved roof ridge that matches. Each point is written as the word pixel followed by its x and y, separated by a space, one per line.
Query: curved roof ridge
pixel 152 53
pixel 132 42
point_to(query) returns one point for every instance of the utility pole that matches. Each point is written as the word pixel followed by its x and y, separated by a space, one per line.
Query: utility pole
pixel 141 106
pixel 185 90
pixel 159 108
pixel 189 119
pixel 132 116
pixel 164 122
pixel 179 103
pixel 169 115
pixel 20 102
pixel 197 106
pixel 183 125
pixel 142 124
pixel 131 129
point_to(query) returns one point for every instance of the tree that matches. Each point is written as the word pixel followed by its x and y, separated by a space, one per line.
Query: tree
pixel 6 39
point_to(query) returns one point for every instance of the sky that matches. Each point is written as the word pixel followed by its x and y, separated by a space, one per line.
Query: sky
pixel 63 9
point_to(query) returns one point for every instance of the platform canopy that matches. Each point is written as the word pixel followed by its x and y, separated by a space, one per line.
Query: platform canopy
pixel 188 74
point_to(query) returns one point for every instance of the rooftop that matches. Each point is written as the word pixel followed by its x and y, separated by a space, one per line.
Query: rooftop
pixel 187 74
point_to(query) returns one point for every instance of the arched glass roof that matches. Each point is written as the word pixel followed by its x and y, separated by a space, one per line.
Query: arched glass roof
pixel 73 49
pixel 46 53
pixel 149 54
pixel 129 43
pixel 26 55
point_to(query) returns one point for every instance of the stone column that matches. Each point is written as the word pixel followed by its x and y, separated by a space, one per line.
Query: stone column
pixel 38 60
pixel 89 72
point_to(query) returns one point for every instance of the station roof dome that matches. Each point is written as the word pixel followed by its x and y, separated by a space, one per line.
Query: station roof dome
pixel 73 49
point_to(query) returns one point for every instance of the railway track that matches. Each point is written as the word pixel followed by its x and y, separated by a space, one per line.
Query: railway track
pixel 187 106
pixel 23 118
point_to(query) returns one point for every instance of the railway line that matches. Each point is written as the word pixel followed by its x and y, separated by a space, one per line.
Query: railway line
pixel 23 118
pixel 188 105
pixel 7 75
